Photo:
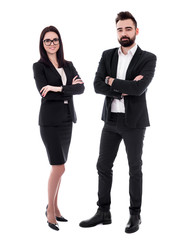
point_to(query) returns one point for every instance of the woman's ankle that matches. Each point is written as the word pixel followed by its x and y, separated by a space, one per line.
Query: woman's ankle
pixel 51 215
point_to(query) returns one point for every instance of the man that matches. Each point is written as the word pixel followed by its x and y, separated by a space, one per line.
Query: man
pixel 123 76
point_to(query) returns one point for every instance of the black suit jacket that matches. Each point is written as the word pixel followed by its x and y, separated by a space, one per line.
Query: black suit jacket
pixel 142 63
pixel 53 109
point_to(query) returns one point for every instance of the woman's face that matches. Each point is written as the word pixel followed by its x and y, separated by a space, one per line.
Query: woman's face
pixel 51 43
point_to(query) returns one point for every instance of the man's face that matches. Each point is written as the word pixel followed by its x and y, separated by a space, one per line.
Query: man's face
pixel 126 32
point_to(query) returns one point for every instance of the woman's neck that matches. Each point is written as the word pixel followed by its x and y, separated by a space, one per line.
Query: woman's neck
pixel 53 59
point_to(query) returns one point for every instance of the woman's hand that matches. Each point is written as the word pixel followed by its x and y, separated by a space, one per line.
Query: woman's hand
pixel 48 88
pixel 138 78
pixel 76 81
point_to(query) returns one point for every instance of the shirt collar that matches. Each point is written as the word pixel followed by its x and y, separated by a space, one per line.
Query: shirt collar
pixel 131 51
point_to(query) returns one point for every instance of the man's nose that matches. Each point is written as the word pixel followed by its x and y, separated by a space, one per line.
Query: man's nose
pixel 123 34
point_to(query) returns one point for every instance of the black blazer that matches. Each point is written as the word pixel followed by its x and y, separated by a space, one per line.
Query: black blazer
pixel 142 63
pixel 53 110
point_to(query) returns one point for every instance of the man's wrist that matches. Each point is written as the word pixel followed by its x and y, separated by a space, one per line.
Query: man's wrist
pixel 107 80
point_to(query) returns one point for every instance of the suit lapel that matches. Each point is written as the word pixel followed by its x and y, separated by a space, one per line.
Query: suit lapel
pixel 54 70
pixel 114 63
pixel 133 62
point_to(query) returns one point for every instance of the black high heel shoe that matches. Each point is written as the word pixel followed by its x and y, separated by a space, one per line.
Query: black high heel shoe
pixel 61 219
pixel 52 225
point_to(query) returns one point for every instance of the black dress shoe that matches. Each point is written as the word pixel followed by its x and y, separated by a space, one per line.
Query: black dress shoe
pixel 61 219
pixel 133 224
pixel 99 218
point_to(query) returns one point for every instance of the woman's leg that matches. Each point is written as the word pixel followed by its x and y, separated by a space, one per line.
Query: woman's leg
pixel 57 212
pixel 53 186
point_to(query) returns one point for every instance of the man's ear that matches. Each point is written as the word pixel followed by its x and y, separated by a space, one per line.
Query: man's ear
pixel 137 31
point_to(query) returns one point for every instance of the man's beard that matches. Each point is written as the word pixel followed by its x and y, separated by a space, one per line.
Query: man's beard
pixel 127 42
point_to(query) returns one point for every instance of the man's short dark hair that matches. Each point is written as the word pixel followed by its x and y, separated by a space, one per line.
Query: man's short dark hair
pixel 126 15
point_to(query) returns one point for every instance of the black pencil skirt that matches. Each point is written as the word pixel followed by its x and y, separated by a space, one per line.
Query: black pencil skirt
pixel 57 141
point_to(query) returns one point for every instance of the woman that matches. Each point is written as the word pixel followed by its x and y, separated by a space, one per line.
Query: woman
pixel 57 81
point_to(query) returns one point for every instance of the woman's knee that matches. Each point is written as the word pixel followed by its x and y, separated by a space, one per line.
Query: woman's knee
pixel 59 169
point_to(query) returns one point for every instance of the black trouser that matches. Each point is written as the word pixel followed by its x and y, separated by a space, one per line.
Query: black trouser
pixel 112 134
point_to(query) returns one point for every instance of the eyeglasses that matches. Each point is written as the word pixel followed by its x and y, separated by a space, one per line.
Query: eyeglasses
pixel 48 42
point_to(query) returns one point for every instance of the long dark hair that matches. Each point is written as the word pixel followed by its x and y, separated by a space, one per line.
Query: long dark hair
pixel 60 53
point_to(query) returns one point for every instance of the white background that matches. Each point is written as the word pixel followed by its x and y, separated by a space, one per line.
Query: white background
pixel 87 29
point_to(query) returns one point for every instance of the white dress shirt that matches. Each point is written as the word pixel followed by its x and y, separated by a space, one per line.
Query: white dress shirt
pixel 63 75
pixel 123 63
